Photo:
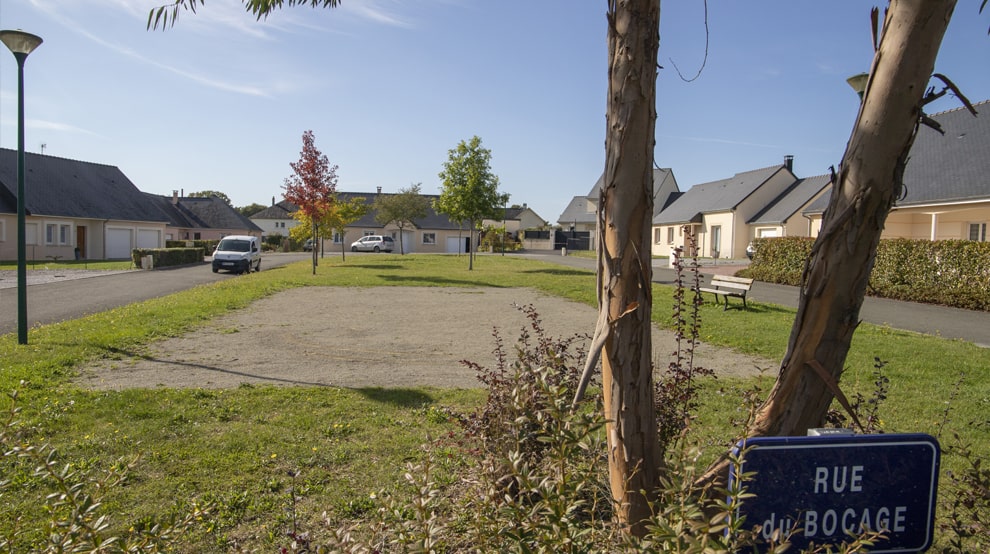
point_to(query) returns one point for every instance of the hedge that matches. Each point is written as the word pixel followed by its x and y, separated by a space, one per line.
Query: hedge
pixel 947 272
pixel 208 246
pixel 167 257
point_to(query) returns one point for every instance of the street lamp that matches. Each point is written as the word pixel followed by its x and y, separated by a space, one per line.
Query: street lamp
pixel 858 83
pixel 20 44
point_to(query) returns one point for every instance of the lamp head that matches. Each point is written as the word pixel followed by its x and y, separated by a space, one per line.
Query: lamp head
pixel 858 83
pixel 19 42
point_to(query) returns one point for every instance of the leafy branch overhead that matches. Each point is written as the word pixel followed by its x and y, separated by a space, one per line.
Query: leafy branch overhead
pixel 166 14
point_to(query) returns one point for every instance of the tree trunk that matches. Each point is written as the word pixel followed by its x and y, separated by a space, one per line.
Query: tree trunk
pixel 314 249
pixel 866 187
pixel 625 299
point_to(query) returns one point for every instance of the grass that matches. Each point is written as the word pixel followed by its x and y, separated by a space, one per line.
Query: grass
pixel 252 450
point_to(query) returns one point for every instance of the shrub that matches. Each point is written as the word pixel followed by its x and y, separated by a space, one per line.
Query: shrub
pixel 168 257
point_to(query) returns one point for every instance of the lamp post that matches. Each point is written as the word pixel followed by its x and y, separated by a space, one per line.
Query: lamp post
pixel 858 83
pixel 20 44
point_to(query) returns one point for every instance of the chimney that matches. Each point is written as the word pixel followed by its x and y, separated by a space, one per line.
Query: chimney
pixel 525 206
pixel 379 190
pixel 789 162
pixel 273 201
pixel 175 197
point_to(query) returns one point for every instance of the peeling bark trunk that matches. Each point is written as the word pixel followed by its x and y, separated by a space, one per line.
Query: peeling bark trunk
pixel 624 262
pixel 868 183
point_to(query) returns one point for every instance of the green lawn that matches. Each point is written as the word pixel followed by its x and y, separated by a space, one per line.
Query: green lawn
pixel 251 450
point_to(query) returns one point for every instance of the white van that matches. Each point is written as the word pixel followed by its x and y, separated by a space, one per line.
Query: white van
pixel 238 254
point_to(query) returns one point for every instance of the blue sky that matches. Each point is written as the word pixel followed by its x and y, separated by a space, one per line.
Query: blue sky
pixel 220 100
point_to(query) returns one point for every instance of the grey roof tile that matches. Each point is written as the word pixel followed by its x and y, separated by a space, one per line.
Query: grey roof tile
pixel 715 196
pixel 71 188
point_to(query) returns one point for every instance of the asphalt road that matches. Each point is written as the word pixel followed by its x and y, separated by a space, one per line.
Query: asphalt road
pixel 53 302
pixel 60 301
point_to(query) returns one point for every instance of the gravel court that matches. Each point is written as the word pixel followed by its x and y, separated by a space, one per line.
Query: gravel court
pixel 367 337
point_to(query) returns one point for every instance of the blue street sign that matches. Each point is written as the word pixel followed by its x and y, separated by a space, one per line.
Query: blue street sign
pixel 824 489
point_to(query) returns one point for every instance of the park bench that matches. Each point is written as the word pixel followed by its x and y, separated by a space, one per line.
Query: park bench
pixel 727 285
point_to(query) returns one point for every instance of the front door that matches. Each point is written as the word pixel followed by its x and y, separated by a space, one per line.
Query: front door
pixel 81 241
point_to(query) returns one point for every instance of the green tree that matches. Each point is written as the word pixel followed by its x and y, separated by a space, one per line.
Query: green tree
pixel 470 189
pixel 209 193
pixel 342 215
pixel 250 209
pixel 402 209
pixel 312 187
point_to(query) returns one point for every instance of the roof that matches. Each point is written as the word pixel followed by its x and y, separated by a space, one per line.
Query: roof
pixel 942 169
pixel 792 200
pixel 716 196
pixel 201 213
pixel 281 210
pixel 954 166
pixel 577 210
pixel 71 188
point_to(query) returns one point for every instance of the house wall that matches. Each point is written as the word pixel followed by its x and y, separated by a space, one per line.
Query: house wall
pixel 423 241
pixel 275 226
pixel 724 220
pixel 951 223
pixel 666 238
pixel 49 238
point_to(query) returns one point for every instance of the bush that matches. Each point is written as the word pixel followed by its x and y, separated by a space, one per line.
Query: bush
pixel 948 272
pixel 168 257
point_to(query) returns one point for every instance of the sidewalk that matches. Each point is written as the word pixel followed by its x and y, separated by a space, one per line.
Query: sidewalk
pixel 951 323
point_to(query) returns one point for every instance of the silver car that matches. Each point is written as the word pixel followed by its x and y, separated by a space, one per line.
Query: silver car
pixel 373 243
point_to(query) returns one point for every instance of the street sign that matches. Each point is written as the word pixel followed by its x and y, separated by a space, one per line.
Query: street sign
pixel 824 489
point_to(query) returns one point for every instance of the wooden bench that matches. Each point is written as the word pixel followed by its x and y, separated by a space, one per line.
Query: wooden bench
pixel 727 285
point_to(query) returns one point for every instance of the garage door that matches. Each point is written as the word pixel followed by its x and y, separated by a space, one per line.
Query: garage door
pixel 455 245
pixel 118 244
pixel 148 238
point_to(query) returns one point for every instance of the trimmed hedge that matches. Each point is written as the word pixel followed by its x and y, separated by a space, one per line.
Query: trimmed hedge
pixel 947 272
pixel 167 257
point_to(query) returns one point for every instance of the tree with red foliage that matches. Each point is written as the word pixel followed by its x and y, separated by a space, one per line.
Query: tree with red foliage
pixel 313 186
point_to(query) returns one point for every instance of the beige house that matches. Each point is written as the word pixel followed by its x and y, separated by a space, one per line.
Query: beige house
pixel 75 209
pixel 719 213
pixel 517 218
pixel 947 182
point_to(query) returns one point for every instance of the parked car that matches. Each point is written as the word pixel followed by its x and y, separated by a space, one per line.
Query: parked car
pixel 238 254
pixel 373 243
pixel 308 245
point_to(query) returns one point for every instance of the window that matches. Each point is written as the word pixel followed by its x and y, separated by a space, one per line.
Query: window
pixel 337 238
pixel 656 235
pixel 716 240
pixel 978 232
pixel 670 235
pixel 31 233
pixel 3 230
pixel 50 230
pixel 195 236
pixel 429 238
pixel 65 234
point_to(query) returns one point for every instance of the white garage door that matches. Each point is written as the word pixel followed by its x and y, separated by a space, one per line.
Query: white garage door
pixel 118 244
pixel 148 238
pixel 455 245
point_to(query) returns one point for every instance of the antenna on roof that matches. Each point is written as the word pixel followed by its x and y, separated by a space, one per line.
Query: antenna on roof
pixel 43 146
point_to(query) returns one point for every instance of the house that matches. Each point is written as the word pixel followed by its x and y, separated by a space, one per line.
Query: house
pixel 784 217
pixel 195 218
pixel 434 233
pixel 718 214
pixel 75 209
pixel 276 219
pixel 947 182
pixel 580 215
pixel 516 219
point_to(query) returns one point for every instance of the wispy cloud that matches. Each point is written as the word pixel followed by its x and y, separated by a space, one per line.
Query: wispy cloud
pixel 42 125
pixel 58 16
